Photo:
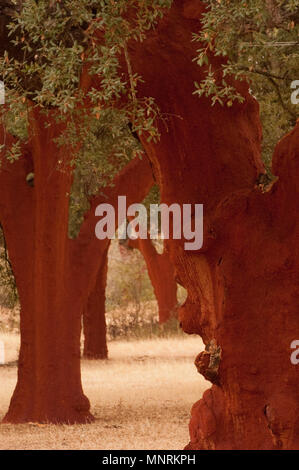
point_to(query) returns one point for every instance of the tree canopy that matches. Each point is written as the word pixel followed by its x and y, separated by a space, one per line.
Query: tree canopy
pixel 260 41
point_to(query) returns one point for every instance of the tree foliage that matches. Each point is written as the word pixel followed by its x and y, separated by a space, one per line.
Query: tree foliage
pixel 55 42
pixel 54 48
pixel 51 44
pixel 258 40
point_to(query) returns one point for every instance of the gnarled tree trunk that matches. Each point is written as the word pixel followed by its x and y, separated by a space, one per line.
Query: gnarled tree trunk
pixel 254 262
pixel 243 294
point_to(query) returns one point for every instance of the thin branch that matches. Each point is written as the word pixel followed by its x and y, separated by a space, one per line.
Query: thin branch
pixel 271 78
pixel 131 76
pixel 283 104
pixel 262 72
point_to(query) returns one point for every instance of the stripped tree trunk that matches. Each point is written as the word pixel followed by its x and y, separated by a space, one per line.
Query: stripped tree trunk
pixel 35 222
pixel 243 293
pixel 54 275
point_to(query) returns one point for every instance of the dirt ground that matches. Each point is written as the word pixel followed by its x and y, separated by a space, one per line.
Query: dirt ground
pixel 141 399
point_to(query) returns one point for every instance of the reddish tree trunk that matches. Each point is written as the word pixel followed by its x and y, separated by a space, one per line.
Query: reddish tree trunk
pixel 161 274
pixel 254 264
pixel 243 294
pixel 54 274
pixel 35 222
pixel 94 321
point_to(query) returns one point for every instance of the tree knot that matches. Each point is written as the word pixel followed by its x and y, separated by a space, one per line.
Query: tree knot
pixel 208 361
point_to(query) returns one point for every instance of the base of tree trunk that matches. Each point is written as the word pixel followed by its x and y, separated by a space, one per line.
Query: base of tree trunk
pixel 47 409
pixel 103 355
pixel 67 417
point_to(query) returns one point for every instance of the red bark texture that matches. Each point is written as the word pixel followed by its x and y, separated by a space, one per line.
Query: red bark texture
pixel 54 274
pixel 161 274
pixel 243 293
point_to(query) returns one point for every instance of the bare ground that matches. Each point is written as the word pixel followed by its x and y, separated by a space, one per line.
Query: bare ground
pixel 141 399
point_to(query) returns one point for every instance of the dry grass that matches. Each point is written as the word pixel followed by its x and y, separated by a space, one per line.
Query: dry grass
pixel 141 399
pixel 11 343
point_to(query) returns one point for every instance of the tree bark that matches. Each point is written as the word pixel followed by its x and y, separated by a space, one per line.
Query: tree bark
pixel 243 284
pixel 54 275
pixel 35 222
pixel 254 261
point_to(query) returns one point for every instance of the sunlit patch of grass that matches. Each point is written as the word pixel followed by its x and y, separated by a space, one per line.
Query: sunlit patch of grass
pixel 11 346
pixel 141 399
